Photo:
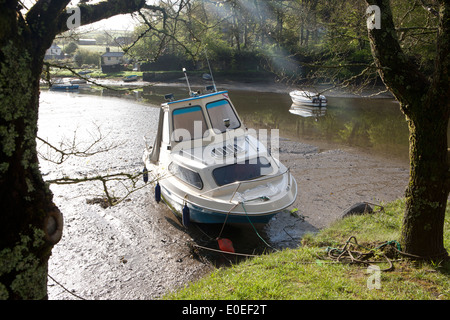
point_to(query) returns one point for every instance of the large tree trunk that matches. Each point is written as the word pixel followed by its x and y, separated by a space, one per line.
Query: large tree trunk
pixel 425 102
pixel 30 223
pixel 427 192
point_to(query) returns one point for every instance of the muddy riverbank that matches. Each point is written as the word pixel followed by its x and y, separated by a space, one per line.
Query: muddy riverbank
pixel 138 249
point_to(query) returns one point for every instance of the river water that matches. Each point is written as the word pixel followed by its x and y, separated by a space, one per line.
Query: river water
pixel 375 126
pixel 137 249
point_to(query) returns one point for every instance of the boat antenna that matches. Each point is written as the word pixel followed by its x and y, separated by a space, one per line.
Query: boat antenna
pixel 210 72
pixel 187 80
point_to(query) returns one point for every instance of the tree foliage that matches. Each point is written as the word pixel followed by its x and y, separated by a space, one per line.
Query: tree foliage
pixel 292 38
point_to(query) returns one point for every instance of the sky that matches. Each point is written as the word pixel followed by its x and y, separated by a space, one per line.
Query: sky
pixel 120 22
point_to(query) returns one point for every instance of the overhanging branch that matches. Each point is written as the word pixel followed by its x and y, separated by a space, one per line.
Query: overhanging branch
pixel 90 13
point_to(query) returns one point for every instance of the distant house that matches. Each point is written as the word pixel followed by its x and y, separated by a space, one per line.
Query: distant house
pixel 110 58
pixel 112 61
pixel 87 42
pixel 54 52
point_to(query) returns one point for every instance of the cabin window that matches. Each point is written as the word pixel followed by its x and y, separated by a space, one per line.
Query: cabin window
pixel 188 124
pixel 222 114
pixel 242 171
pixel 190 177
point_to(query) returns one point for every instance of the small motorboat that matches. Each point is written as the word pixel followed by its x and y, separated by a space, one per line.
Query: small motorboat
pixel 208 168
pixel 64 87
pixel 85 72
pixel 206 76
pixel 308 98
pixel 63 84
pixel 130 78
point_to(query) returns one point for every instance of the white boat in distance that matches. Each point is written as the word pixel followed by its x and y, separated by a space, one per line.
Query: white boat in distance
pixel 208 168
pixel 308 98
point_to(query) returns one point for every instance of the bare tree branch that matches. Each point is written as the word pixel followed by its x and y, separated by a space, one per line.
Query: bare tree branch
pixel 75 148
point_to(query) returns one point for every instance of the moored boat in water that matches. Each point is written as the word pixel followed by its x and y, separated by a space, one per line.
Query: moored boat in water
pixel 130 78
pixel 64 87
pixel 308 98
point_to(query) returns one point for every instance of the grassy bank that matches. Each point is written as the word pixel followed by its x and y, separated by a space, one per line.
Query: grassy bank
pixel 308 273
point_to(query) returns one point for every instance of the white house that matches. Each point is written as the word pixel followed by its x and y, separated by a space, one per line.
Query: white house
pixel 54 52
pixel 111 58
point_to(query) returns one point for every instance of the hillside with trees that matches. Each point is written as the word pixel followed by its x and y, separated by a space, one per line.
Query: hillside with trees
pixel 318 40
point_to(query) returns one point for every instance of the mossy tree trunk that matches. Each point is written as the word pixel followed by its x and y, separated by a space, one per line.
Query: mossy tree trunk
pixel 425 101
pixel 30 223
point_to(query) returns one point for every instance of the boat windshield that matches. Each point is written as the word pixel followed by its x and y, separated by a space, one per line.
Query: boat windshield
pixel 190 177
pixel 242 171
pixel 222 115
pixel 188 124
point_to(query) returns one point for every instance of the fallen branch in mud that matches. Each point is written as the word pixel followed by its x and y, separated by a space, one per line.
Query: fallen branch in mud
pixel 110 198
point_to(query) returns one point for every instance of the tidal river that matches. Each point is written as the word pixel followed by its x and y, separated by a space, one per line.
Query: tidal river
pixel 353 151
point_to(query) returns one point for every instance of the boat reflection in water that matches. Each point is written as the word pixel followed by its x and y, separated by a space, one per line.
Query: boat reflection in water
pixel 307 111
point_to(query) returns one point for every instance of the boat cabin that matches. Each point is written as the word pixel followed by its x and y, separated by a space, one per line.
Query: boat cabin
pixel 194 122
pixel 203 135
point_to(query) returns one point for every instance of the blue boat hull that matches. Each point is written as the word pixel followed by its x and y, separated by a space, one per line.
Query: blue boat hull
pixel 204 216
pixel 201 215
pixel 65 88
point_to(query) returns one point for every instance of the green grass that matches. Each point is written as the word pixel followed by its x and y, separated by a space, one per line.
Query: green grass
pixel 305 273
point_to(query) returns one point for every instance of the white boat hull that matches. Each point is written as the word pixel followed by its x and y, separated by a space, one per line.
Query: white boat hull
pixel 307 98
pixel 255 201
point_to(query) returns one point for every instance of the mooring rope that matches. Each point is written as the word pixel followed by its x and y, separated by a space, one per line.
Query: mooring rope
pixel 257 233
pixel 226 218
pixel 348 254
pixel 59 284
pixel 227 252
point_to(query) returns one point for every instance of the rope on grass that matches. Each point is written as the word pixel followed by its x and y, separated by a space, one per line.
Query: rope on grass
pixel 349 254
